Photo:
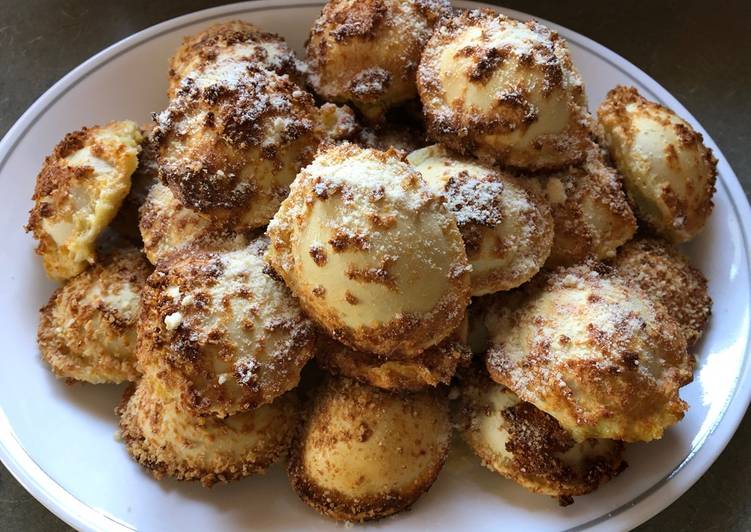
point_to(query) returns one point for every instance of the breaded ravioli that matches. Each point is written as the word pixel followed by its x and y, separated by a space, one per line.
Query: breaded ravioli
pixel 506 226
pixel 503 90
pixel 170 441
pixel 366 52
pixel 87 331
pixel 373 255
pixel 590 211
pixel 591 350
pixel 365 453
pixel 668 172
pixel 234 41
pixel 434 366
pixel 167 226
pixel 527 445
pixel 231 143
pixel 79 191
pixel 145 177
pixel 665 274
pixel 216 326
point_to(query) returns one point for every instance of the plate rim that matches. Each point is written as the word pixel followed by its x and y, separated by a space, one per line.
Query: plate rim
pixel 649 503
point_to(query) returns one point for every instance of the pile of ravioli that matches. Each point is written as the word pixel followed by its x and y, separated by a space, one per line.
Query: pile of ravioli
pixel 339 262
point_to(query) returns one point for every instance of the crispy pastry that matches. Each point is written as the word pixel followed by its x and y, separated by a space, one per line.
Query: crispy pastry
pixel 668 172
pixel 373 255
pixel 365 453
pixel 506 226
pixel 665 274
pixel 590 211
pixel 503 90
pixel 366 52
pixel 528 446
pixel 170 441
pixel 79 191
pixel 217 327
pixel 235 41
pixel 591 350
pixel 87 331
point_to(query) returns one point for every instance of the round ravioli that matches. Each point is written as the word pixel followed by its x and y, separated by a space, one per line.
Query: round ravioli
pixel 435 366
pixel 234 41
pixel 170 441
pixel 231 143
pixel 528 446
pixel 79 191
pixel 216 326
pixel 372 253
pixel 87 330
pixel 365 453
pixel 506 227
pixel 662 272
pixel 366 52
pixel 167 226
pixel 668 172
pixel 593 351
pixel 503 90
pixel 591 215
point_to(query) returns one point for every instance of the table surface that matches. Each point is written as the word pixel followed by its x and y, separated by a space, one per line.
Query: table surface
pixel 698 51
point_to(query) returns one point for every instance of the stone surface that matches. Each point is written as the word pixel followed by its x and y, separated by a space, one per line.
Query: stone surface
pixel 698 50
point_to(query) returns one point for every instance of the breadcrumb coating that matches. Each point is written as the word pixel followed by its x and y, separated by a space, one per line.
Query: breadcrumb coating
pixel 506 226
pixel 87 331
pixel 79 191
pixel 591 214
pixel 234 41
pixel 373 255
pixel 503 90
pixel 591 350
pixel 365 453
pixel 170 441
pixel 668 172
pixel 662 272
pixel 528 446
pixel 366 52
pixel 216 326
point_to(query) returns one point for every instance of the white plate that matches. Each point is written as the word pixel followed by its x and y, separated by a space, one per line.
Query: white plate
pixel 59 440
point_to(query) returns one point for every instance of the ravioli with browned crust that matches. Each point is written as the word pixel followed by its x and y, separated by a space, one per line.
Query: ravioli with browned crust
pixel 87 330
pixel 591 350
pixel 79 191
pixel 366 52
pixel 365 453
pixel 221 330
pixel 170 441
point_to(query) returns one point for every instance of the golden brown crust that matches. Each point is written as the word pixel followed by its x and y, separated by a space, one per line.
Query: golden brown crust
pixel 366 52
pixel 236 41
pixel 167 226
pixel 145 176
pixel 433 367
pixel 593 351
pixel 362 223
pixel 364 453
pixel 230 144
pixel 527 445
pixel 669 174
pixel 215 326
pixel 169 441
pixel 79 191
pixel 505 223
pixel 87 331
pixel 504 91
pixel 590 211
pixel 662 272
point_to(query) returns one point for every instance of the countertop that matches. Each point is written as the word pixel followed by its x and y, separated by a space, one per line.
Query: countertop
pixel 699 51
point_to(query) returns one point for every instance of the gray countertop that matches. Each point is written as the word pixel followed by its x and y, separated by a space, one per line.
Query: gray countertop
pixel 699 51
